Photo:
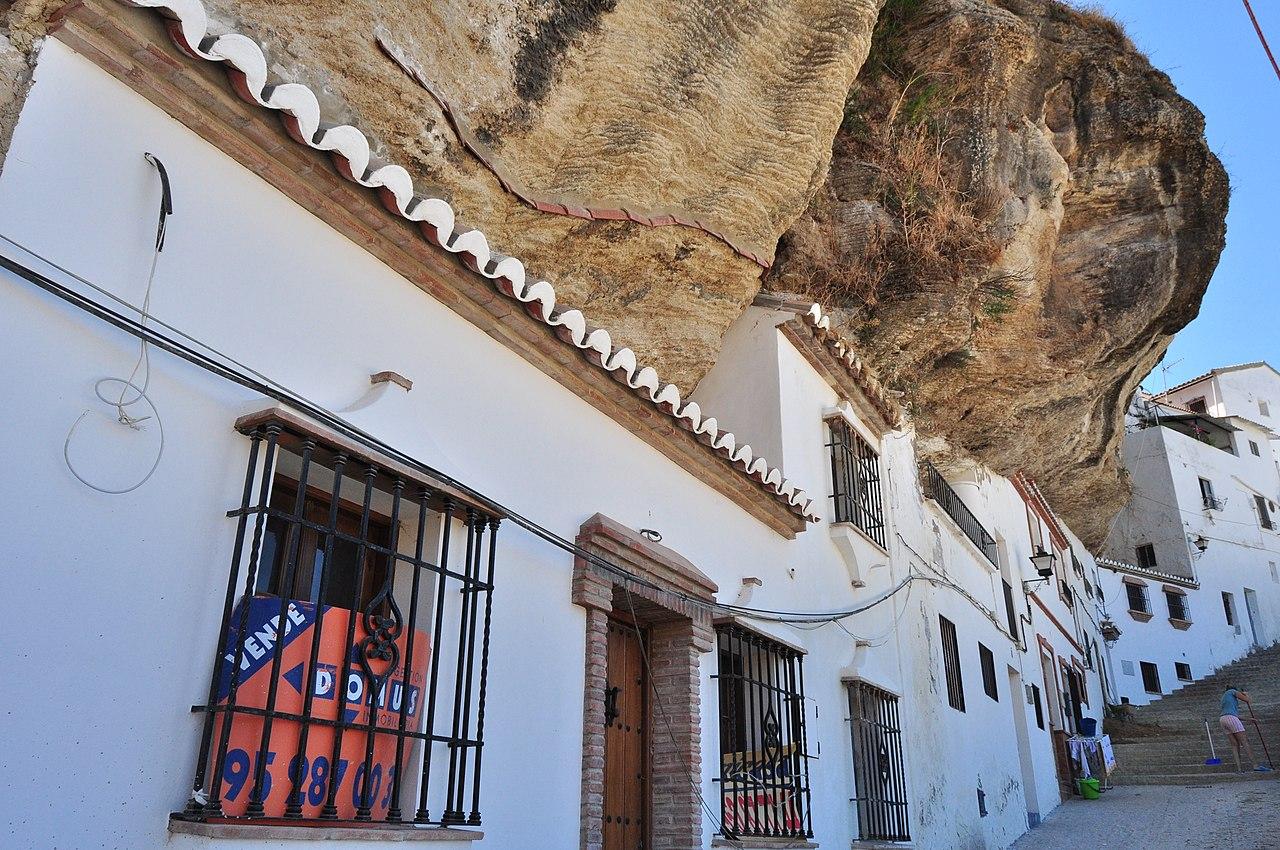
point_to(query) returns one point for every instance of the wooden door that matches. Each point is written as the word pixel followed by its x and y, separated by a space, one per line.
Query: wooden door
pixel 626 750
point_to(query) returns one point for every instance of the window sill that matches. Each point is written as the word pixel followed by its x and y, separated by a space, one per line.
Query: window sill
pixel 870 844
pixel 749 843
pixel 1140 616
pixel 1183 625
pixel 276 831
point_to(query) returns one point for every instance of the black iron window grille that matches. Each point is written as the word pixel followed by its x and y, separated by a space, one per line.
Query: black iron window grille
pixel 855 476
pixel 764 768
pixel 951 664
pixel 1138 600
pixel 1038 705
pixel 1178 608
pixel 937 488
pixel 351 668
pixel 988 660
pixel 879 774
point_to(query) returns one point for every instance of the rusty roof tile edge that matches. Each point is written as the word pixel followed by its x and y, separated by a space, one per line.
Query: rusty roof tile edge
pixel 246 65
pixel 820 322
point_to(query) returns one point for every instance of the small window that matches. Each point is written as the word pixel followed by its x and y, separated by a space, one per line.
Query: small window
pixel 855 476
pixel 1150 678
pixel 1229 607
pixel 1088 589
pixel 1064 590
pixel 1207 497
pixel 1177 602
pixel 1275 576
pixel 762 734
pixel 1138 600
pixel 1146 556
pixel 1264 512
pixel 878 770
pixel 988 672
pixel 1035 701
pixel 1197 405
pixel 1183 669
pixel 1253 448
pixel 345 562
pixel 1263 408
pixel 951 664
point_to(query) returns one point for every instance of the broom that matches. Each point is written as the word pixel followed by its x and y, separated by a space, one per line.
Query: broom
pixel 1258 729
pixel 1213 754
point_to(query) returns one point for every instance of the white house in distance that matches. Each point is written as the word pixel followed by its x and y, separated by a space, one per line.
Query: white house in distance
pixel 1191 572
pixel 353 534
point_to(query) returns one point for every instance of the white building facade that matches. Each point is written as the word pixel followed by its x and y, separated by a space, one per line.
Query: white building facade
pixel 1191 574
pixel 375 542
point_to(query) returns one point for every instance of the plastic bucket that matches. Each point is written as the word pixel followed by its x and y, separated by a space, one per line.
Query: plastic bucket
pixel 1088 727
pixel 1090 789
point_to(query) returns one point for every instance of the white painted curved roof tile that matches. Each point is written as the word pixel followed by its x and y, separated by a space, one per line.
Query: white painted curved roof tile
pixel 247 68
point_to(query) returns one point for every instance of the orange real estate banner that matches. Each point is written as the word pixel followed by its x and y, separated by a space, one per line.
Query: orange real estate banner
pixel 282 756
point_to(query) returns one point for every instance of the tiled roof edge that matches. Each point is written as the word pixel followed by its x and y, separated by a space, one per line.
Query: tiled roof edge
pixel 246 65
pixel 817 319
pixel 1116 565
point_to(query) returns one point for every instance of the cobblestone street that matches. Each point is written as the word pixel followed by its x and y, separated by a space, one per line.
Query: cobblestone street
pixel 1239 815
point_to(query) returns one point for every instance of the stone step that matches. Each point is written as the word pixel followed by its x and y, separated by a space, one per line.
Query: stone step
pixel 1190 778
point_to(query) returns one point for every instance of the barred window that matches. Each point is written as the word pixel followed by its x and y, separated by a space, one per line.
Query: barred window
pixel 764 769
pixel 855 476
pixel 351 669
pixel 1138 600
pixel 879 774
pixel 1178 608
pixel 951 664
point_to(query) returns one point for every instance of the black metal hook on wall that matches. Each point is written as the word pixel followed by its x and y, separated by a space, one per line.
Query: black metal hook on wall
pixel 166 198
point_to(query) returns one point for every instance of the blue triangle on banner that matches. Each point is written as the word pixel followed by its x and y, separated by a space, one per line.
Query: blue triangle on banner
pixel 294 677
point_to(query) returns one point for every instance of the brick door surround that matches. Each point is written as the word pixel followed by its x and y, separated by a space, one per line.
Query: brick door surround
pixel 679 633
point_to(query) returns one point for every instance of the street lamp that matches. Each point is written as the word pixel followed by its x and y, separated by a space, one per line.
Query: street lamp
pixel 1043 562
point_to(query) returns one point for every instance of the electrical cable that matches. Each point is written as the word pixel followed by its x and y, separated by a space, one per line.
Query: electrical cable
pixel 143 363
pixel 226 367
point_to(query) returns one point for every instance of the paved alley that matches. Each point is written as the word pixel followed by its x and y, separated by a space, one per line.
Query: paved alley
pixel 1238 815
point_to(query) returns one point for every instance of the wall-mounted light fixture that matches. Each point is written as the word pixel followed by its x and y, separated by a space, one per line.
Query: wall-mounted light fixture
pixel 650 534
pixel 1043 562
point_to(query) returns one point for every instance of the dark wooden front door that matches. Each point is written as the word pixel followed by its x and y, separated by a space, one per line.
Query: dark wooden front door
pixel 626 745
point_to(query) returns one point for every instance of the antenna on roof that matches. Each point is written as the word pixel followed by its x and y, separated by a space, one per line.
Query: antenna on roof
pixel 1164 371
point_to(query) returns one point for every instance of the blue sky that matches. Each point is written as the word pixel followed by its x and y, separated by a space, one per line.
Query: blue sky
pixel 1209 49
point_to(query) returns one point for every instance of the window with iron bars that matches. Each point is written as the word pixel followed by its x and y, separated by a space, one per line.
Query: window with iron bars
pixel 351 669
pixel 1178 607
pixel 855 476
pixel 951 664
pixel 1138 598
pixel 879 774
pixel 764 769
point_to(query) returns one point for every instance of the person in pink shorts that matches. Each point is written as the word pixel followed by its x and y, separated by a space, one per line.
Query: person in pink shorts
pixel 1232 725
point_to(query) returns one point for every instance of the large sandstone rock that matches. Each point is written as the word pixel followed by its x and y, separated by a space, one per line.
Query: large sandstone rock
pixel 1019 215
pixel 721 113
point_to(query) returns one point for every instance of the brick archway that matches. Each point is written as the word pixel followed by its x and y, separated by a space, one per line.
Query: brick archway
pixel 680 633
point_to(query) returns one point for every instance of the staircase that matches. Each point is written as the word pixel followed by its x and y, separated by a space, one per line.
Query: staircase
pixel 1164 743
